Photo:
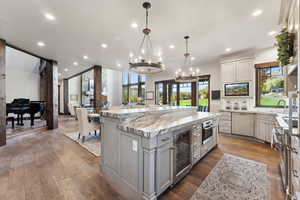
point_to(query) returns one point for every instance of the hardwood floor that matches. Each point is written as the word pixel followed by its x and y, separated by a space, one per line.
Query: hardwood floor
pixel 41 164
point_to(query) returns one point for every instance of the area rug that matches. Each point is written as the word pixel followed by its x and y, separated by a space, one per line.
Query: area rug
pixel 91 143
pixel 235 178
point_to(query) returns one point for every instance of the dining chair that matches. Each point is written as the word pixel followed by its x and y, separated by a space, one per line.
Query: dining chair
pixel 85 127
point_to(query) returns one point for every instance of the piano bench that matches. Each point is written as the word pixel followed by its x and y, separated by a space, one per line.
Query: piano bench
pixel 12 119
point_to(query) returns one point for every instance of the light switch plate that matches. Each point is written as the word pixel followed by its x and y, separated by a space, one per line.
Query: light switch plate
pixel 134 145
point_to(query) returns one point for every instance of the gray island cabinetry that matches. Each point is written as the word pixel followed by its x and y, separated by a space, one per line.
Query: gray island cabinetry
pixel 144 151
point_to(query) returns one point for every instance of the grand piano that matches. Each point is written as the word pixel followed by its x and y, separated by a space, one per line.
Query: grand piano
pixel 22 106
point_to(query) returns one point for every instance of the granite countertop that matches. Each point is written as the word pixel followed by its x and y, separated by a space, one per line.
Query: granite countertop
pixel 153 124
pixel 127 113
pixel 256 111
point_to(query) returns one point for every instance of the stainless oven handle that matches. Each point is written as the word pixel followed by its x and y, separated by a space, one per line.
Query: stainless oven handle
pixel 207 128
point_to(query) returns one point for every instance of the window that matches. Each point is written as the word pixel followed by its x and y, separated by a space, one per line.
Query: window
pixel 185 94
pixel 133 87
pixel 270 85
pixel 159 93
pixel 203 93
pixel 174 94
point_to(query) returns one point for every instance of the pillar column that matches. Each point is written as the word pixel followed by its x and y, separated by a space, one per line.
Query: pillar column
pixel 2 94
pixel 66 96
pixel 52 94
pixel 194 93
pixel 97 87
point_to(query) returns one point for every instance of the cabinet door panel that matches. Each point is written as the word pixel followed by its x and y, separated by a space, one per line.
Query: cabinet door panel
pixel 269 131
pixel 244 70
pixel 243 124
pixel 129 170
pixel 260 130
pixel 163 168
pixel 228 72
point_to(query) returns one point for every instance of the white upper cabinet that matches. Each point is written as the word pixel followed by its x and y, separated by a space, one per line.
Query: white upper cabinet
pixel 244 70
pixel 237 71
pixel 228 72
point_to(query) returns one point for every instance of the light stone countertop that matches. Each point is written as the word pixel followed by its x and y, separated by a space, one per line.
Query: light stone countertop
pixel 128 113
pixel 153 124
pixel 257 111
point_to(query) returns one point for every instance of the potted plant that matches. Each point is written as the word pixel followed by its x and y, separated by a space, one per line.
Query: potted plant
pixel 285 46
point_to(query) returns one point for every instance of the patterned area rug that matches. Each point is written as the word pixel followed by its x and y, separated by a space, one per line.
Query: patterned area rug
pixel 235 178
pixel 92 142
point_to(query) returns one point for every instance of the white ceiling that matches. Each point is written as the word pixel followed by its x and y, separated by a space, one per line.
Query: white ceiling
pixel 82 26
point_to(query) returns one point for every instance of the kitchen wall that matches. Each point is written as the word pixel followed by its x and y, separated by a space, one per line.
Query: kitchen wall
pixel 22 79
pixel 259 56
pixel 212 68
pixel 75 90
pixel 112 86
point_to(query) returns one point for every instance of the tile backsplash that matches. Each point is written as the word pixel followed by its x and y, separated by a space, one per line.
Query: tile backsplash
pixel 237 104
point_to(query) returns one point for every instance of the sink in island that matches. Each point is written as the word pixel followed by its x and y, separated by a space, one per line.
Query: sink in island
pixel 146 150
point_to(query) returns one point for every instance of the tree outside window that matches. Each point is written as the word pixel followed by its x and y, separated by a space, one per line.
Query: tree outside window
pixel 203 92
pixel 185 94
pixel 270 87
pixel 133 87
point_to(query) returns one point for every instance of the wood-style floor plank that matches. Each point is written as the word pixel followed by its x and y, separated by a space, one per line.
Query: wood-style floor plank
pixel 38 164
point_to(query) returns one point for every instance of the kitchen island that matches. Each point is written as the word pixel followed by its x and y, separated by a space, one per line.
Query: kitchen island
pixel 144 151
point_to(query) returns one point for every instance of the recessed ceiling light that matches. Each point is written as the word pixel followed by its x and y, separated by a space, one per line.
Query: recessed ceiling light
pixel 171 46
pixel 41 44
pixel 75 63
pixel 66 69
pixel 104 45
pixel 130 55
pixel 272 33
pixel 192 58
pixel 119 65
pixel 228 49
pixel 59 74
pixel 134 25
pixel 49 16
pixel 257 12
pixel 85 57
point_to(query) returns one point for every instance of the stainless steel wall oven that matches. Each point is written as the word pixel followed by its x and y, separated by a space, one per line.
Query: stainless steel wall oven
pixel 207 131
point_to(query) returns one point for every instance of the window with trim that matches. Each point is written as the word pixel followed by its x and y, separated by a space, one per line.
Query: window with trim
pixel 183 94
pixel 159 88
pixel 133 88
pixel 270 85
pixel 203 92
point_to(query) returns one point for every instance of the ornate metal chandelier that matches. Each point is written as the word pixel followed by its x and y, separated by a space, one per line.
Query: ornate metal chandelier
pixel 145 63
pixel 192 75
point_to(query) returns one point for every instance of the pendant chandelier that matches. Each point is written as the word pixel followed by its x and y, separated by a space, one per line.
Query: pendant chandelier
pixel 145 62
pixel 192 75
